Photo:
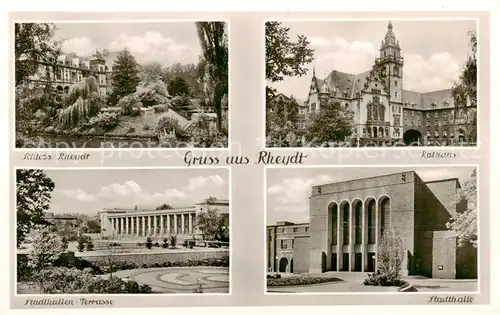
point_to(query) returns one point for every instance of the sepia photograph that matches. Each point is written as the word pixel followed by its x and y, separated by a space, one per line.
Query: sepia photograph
pixel 122 231
pixel 86 84
pixel 372 229
pixel 363 83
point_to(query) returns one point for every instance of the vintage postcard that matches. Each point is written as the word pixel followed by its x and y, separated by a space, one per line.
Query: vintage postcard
pixel 210 159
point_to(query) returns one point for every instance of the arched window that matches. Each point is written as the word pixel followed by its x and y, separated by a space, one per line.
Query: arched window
pixel 369 112
pixel 375 112
pixel 396 70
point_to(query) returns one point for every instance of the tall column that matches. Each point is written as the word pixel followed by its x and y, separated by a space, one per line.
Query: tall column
pixel 149 225
pixel 182 224
pixel 126 226
pixel 351 237
pixel 162 227
pixel 339 239
pixel 190 223
pixel 175 225
pixel 168 224
pixel 363 237
pixel 143 228
pixel 155 224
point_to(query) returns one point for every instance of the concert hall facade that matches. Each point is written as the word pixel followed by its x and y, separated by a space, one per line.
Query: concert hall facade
pixel 347 220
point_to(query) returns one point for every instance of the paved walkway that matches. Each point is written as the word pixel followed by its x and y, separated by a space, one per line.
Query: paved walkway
pixel 353 282
pixel 181 279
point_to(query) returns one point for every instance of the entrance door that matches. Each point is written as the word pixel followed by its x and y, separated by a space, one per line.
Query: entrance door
pixel 357 262
pixel 371 262
pixel 334 262
pixel 345 262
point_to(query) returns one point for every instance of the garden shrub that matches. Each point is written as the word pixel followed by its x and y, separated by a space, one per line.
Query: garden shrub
pixel 274 276
pixel 149 243
pixel 165 243
pixel 173 241
pixel 131 130
pixel 71 280
pixel 169 125
pixel 24 271
pixel 130 105
pixel 300 280
pixel 384 279
pixel 158 109
pixel 104 121
pixel 205 134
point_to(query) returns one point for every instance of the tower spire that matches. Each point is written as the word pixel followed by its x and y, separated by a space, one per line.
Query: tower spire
pixel 314 71
pixel 389 26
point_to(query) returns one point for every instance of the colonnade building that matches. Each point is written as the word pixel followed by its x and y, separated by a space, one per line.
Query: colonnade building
pixel 347 220
pixel 157 224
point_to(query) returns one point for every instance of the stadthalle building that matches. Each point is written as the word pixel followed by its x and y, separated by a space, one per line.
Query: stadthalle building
pixel 347 220
pixel 385 112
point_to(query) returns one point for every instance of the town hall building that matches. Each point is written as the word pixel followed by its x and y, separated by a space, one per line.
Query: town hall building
pixel 347 220
pixel 385 112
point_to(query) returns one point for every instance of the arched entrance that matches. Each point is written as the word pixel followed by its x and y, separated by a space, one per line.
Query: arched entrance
pixel 384 206
pixel 283 264
pixel 412 137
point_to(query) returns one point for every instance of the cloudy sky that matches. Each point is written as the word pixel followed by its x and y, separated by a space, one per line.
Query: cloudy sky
pixel 165 42
pixel 88 191
pixel 288 190
pixel 433 51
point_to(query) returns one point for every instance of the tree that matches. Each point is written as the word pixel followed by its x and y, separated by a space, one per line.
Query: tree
pixel 282 117
pixel 34 45
pixel 332 123
pixel 283 56
pixel 90 245
pixel 465 223
pixel 211 223
pixel 164 206
pixel 214 45
pixel 390 254
pixel 149 243
pixel 151 72
pixel 178 87
pixel 47 247
pixel 464 92
pixel 125 77
pixel 81 244
pixel 33 194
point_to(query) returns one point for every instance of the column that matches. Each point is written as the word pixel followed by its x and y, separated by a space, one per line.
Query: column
pixel 155 224
pixel 363 237
pixel 339 238
pixel 143 228
pixel 126 226
pixel 175 225
pixel 190 223
pixel 149 225
pixel 135 221
pixel 352 230
pixel 162 227
pixel 182 224
pixel 168 224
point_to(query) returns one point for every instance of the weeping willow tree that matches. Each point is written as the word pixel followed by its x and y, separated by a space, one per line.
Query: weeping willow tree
pixel 82 102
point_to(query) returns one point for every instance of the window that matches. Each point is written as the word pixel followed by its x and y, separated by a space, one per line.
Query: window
pixel 282 244
pixel 295 230
pixel 428 115
pixel 428 122
pixel 293 243
pixel 307 229
pixel 412 114
pixel 396 83
pixel 396 94
pixel 399 110
pixel 436 114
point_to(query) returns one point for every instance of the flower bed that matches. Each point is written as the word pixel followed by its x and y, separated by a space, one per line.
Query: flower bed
pixel 300 280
